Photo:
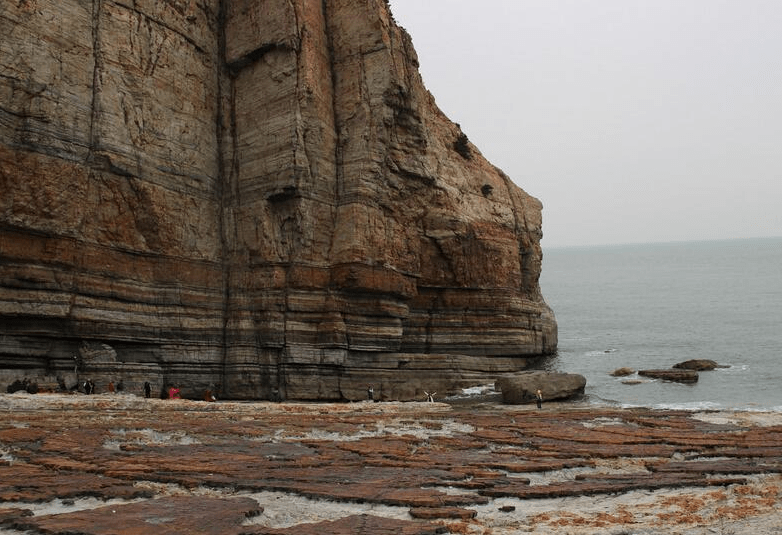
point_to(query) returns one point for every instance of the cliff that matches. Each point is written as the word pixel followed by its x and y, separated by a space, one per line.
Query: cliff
pixel 257 196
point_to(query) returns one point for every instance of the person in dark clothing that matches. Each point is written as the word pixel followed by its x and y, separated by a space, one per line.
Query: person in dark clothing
pixel 147 389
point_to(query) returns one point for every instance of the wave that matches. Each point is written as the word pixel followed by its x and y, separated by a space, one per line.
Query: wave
pixel 598 352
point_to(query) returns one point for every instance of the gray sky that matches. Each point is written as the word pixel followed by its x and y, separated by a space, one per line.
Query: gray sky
pixel 632 120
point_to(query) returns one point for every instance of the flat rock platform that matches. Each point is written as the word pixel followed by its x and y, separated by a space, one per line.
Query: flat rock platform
pixel 120 465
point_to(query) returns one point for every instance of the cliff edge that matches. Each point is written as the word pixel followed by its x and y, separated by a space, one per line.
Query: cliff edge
pixel 257 197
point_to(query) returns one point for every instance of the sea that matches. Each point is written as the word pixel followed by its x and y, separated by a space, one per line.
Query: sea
pixel 650 306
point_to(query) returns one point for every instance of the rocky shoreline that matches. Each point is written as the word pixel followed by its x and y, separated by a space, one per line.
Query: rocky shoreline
pixel 120 464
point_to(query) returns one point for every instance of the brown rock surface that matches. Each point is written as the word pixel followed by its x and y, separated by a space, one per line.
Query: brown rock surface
pixel 258 198
pixel 263 468
pixel 443 512
pixel 173 515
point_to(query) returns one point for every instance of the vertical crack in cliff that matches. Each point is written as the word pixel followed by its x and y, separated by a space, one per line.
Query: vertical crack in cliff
pixel 97 69
pixel 290 223
pixel 223 190
pixel 337 178
pixel 337 134
pixel 301 128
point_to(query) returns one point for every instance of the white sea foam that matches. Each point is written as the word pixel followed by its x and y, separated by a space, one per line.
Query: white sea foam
pixel 599 352
pixel 478 390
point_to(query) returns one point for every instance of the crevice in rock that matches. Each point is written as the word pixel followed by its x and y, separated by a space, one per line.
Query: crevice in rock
pixel 462 146
pixel 97 57
pixel 256 55
pixel 338 160
pixel 162 24
pixel 222 178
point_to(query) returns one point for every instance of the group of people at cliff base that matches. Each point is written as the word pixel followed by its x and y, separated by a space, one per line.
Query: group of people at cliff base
pixel 174 392
pixel 171 393
pixel 88 387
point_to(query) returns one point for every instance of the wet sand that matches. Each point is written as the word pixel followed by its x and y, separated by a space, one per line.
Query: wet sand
pixel 119 464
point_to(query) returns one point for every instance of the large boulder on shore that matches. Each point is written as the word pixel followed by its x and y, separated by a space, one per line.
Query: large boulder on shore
pixel 679 376
pixel 521 387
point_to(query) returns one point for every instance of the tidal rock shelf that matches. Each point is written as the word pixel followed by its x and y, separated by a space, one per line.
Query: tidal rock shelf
pixel 114 464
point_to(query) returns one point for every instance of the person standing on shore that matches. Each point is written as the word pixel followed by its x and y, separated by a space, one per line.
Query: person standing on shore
pixel 147 389
pixel 539 398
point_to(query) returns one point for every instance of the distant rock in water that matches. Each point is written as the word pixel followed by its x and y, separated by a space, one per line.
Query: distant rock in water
pixel 622 372
pixel 679 376
pixel 260 196
pixel 633 382
pixel 698 365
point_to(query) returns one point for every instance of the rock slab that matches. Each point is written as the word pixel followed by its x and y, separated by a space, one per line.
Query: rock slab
pixel 163 516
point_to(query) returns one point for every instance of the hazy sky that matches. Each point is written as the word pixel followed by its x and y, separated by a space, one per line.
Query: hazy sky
pixel 632 120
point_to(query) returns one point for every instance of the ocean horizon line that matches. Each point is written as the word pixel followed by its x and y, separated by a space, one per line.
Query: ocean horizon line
pixel 660 242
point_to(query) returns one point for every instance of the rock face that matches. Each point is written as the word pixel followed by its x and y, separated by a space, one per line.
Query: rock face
pixel 259 195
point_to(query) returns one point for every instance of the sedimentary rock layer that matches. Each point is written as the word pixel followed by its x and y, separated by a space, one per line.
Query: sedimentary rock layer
pixel 258 197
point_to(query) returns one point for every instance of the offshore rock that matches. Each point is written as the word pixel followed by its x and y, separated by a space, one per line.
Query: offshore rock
pixel 699 365
pixel 622 372
pixel 677 376
pixel 256 195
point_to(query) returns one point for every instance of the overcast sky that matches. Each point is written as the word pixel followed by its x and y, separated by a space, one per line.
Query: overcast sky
pixel 631 120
